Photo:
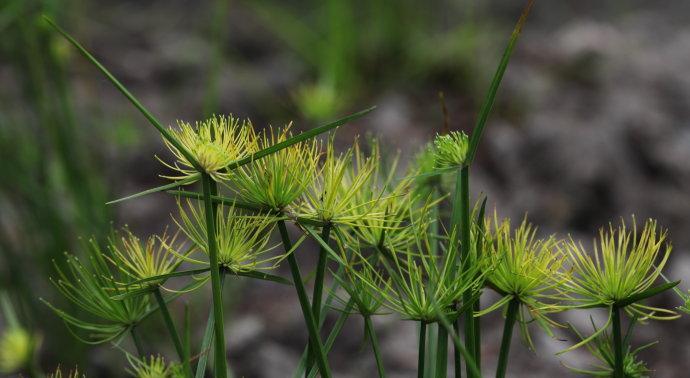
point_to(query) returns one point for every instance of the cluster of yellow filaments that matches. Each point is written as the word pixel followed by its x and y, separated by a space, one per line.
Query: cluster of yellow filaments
pixel 242 239
pixel 332 198
pixel 154 367
pixel 214 144
pixel 526 269
pixel 144 260
pixel 277 180
pixel 17 347
pixel 451 149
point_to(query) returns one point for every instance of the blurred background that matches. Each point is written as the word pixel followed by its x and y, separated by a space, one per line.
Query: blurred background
pixel 592 124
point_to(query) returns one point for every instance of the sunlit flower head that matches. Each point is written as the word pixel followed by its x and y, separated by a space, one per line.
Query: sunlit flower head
pixel 213 143
pixel 277 180
pixel 141 260
pixel 242 239
pixel 333 196
pixel 526 268
pixel 451 149
pixel 94 288
pixel 426 281
pixel 17 348
pixel 623 263
pixel 153 367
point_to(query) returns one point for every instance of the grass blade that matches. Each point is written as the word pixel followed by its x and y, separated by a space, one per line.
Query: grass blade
pixel 157 189
pixel 298 138
pixel 152 120
pixel 495 84
pixel 263 276
pixel 652 291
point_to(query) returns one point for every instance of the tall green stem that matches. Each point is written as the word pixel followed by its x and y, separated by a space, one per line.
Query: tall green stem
pixel 422 349
pixel 218 324
pixel 314 337
pixel 511 317
pixel 207 340
pixel 318 288
pixel 618 371
pixel 137 341
pixel 471 337
pixel 457 356
pixel 369 326
pixel 442 353
pixel 169 324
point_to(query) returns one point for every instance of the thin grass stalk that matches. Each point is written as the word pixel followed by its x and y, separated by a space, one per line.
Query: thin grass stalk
pixel 318 288
pixel 337 327
pixel 457 357
pixel 314 337
pixel 442 353
pixel 137 341
pixel 186 342
pixel 207 340
pixel 511 317
pixel 371 333
pixel 445 324
pixel 422 349
pixel 218 324
pixel 163 307
pixel 430 350
pixel 618 371
pixel 471 341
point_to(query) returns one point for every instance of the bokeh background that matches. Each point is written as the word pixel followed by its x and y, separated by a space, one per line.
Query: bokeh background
pixel 592 124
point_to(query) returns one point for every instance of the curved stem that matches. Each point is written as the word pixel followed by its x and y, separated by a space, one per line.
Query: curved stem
pixel 137 341
pixel 457 357
pixel 511 317
pixel 318 288
pixel 314 338
pixel 422 349
pixel 374 345
pixel 169 324
pixel 618 371
pixel 218 324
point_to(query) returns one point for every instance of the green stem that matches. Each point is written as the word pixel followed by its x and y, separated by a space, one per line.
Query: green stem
pixel 374 345
pixel 169 324
pixel 337 327
pixel 137 341
pixel 471 340
pixel 207 340
pixel 511 317
pixel 457 357
pixel 422 349
pixel 314 338
pixel 442 353
pixel 618 371
pixel 318 288
pixel 218 325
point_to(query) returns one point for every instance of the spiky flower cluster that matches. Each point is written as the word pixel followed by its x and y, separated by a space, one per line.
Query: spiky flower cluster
pixel 153 367
pixel 241 239
pixel 213 144
pixel 17 348
pixel 451 149
pixel 276 181
pixel 527 269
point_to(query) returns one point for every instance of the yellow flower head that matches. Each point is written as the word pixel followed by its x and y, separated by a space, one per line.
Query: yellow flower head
pixel 525 268
pixel 623 264
pixel 154 367
pixel 451 149
pixel 242 239
pixel 277 180
pixel 333 195
pixel 16 349
pixel 141 260
pixel 214 144
pixel 70 374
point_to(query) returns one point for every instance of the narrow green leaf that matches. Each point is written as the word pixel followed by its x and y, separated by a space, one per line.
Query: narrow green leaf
pixel 163 277
pixel 225 201
pixel 263 276
pixel 652 291
pixel 495 84
pixel 161 129
pixel 298 138
pixel 157 189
